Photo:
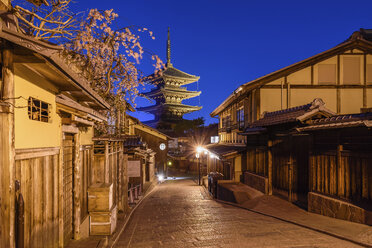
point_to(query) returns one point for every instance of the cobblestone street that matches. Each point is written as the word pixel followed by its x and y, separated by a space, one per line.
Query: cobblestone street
pixel 180 214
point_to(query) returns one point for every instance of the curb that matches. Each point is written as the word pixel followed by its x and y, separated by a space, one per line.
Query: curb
pixel 111 244
pixel 298 224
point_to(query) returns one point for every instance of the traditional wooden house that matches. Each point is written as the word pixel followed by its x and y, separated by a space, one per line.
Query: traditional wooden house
pixel 340 167
pixel 149 146
pixel 277 157
pixel 47 114
pixel 341 76
pixel 318 160
pixel 158 143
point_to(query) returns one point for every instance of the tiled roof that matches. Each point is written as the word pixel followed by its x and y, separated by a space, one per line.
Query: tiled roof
pixel 173 72
pixel 282 116
pixel 340 121
pixel 365 34
pixel 133 141
pixel 298 113
pixel 225 149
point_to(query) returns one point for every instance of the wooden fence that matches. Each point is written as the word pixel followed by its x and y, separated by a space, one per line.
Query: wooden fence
pixel 38 172
pixel 257 161
pixel 346 175
pixel 109 166
pixel 86 158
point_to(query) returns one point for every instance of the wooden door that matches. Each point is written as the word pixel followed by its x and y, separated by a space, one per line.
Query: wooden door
pixel 68 182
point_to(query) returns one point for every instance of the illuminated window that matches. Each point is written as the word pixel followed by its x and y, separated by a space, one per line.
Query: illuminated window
pixel 38 110
pixel 226 122
pixel 240 118
pixel 214 139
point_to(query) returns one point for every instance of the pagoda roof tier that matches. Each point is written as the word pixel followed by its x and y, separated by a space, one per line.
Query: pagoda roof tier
pixel 170 106
pixel 169 73
pixel 172 91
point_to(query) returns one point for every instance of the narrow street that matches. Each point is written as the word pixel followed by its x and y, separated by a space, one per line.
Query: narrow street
pixel 178 213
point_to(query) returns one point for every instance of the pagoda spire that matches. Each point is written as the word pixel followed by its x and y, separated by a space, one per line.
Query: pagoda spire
pixel 169 64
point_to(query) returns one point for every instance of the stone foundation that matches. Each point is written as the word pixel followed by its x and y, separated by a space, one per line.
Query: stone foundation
pixel 223 193
pixel 257 182
pixel 338 209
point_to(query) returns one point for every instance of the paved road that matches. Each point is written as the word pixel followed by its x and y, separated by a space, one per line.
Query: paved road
pixel 179 214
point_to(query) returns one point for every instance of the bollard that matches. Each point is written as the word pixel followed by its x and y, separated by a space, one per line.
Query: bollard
pixel 135 193
pixel 131 199
pixel 20 222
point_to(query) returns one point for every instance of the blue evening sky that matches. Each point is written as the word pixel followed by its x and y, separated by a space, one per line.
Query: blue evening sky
pixel 230 42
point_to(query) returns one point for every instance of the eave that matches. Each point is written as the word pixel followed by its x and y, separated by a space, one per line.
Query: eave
pixel 181 107
pixel 182 93
pixel 43 58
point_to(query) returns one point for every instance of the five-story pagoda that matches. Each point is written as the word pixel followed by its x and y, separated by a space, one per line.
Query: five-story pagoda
pixel 169 94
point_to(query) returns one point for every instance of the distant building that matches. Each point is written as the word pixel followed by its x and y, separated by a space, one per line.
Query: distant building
pixel 169 95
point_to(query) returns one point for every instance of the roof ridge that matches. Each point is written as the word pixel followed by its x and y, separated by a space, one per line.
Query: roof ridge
pixel 316 103
pixel 343 118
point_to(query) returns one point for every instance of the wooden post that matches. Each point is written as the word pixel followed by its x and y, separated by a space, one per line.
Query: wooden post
pixel 288 93
pixel 339 180
pixel 125 183
pixel 7 150
pixel 118 122
pixel 60 194
pixel 338 90
pixel 270 166
pixel 290 170
pixel 364 81
pixel 311 164
pixel 107 162
pixel 76 207
pixel 121 177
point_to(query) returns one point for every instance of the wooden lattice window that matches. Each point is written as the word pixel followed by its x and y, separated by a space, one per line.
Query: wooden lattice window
pixel 38 110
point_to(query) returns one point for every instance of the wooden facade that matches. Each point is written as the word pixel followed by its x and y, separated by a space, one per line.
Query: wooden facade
pixel 110 167
pixel 322 163
pixel 47 147
pixel 341 76
pixel 38 172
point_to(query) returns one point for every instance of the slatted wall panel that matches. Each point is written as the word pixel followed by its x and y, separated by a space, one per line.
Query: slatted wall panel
pixel 351 179
pixel 280 171
pixel 39 186
pixel 68 180
pixel 86 153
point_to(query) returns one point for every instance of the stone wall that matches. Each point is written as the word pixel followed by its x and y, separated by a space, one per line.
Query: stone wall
pixel 338 209
pixel 223 192
pixel 257 182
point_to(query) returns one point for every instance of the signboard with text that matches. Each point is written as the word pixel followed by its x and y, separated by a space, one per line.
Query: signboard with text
pixel 134 168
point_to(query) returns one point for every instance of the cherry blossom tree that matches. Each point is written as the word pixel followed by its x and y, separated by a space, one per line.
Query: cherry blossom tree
pixel 107 57
pixel 46 19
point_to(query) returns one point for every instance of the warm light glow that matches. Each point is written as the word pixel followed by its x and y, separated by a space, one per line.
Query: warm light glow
pixel 169 162
pixel 199 149
pixel 197 155
pixel 160 177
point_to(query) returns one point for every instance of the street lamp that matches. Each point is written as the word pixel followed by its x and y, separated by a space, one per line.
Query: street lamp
pixel 197 155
